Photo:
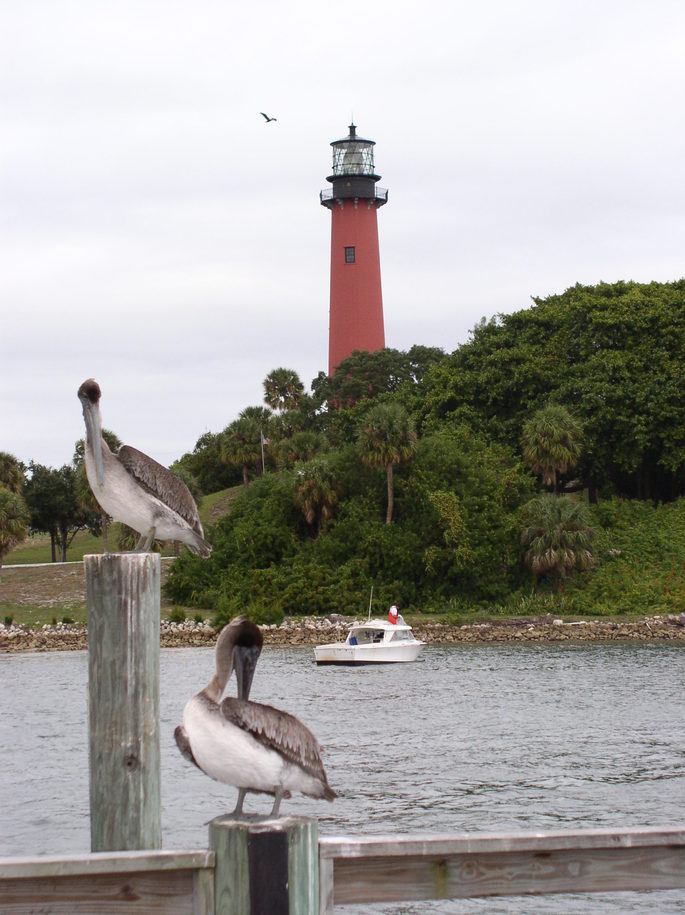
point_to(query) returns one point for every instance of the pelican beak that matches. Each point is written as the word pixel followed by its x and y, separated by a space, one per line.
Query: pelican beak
pixel 93 436
pixel 244 662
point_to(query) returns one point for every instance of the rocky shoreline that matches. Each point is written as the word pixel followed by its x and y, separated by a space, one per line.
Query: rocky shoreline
pixel 316 630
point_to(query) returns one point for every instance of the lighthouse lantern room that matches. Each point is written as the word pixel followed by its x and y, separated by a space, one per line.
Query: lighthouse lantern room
pixel 356 304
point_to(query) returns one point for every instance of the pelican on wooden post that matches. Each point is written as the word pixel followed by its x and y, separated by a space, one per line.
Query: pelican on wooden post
pixel 134 489
pixel 254 747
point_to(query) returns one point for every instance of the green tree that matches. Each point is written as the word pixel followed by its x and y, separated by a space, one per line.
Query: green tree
pixel 613 353
pixel 386 438
pixel 302 446
pixel 11 472
pixel 283 389
pixel 14 521
pixel 54 507
pixel 260 415
pixel 206 464
pixel 315 491
pixel 557 536
pixel 363 376
pixel 552 443
pixel 242 445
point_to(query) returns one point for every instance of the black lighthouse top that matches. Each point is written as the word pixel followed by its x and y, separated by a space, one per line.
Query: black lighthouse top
pixel 353 172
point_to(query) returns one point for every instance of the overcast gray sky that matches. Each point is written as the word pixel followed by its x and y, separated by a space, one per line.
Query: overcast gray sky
pixel 157 235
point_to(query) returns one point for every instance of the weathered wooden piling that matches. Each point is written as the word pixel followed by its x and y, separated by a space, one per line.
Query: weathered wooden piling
pixel 267 867
pixel 123 598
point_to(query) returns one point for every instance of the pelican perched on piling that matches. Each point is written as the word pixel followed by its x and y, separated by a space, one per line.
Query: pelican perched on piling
pixel 134 489
pixel 253 747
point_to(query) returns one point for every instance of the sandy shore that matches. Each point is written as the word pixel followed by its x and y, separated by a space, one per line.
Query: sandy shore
pixel 316 630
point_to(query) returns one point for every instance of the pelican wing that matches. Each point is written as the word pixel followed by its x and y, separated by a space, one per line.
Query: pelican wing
pixel 162 484
pixel 279 731
pixel 183 744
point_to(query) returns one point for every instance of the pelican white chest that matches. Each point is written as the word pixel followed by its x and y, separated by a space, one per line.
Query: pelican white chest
pixel 228 753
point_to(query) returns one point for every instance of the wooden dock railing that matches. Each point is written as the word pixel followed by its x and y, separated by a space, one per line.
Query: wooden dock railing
pixel 409 868
pixel 125 882
pixel 267 868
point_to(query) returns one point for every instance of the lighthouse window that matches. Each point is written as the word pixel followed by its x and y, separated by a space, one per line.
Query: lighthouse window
pixel 349 254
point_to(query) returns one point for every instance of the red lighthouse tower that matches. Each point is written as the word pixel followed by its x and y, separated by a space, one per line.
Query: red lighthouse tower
pixel 356 315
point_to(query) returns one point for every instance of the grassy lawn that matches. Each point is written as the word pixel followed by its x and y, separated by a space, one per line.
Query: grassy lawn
pixel 52 592
pixel 37 549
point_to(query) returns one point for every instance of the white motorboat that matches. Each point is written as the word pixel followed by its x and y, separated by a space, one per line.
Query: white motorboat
pixel 372 642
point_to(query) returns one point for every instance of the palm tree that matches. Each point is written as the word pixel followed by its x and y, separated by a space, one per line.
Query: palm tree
pixel 242 445
pixel 11 472
pixel 315 491
pixel 557 535
pixel 302 446
pixel 387 437
pixel 282 389
pixel 14 521
pixel 260 415
pixel 552 442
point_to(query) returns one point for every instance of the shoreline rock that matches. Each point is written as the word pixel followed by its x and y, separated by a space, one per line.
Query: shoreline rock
pixel 306 631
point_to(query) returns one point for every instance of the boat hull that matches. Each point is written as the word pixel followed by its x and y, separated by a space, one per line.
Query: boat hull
pixel 344 654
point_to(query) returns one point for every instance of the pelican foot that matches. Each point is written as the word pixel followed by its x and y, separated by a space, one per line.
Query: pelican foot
pixel 145 541
pixel 237 813
pixel 278 796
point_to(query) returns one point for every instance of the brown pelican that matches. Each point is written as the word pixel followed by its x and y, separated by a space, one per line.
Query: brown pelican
pixel 251 746
pixel 134 489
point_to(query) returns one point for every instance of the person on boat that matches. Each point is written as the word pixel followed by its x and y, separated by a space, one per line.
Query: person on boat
pixel 395 617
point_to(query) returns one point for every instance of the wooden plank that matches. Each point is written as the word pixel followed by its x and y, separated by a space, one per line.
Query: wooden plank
pixel 140 893
pixel 266 866
pixel 447 843
pixel 203 891
pixel 387 869
pixel 123 598
pixel 123 862
pixel 231 873
pixel 303 866
pixel 326 885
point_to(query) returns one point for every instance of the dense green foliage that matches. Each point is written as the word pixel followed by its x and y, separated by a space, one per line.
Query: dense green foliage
pixel 11 472
pixel 206 465
pixel 639 569
pixel 551 443
pixel 14 521
pixel 557 535
pixel 613 354
pixel 586 386
pixel 453 534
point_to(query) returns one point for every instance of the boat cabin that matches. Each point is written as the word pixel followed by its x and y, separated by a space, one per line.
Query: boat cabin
pixel 369 635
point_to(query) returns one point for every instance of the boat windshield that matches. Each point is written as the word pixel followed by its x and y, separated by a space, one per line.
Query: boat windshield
pixel 402 635
pixel 365 636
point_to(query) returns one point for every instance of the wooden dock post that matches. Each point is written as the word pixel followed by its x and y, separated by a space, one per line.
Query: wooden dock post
pixel 266 867
pixel 123 598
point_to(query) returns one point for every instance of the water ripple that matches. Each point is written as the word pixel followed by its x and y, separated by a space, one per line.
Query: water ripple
pixel 471 739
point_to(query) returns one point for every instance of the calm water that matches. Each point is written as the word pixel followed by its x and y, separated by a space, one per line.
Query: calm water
pixel 468 739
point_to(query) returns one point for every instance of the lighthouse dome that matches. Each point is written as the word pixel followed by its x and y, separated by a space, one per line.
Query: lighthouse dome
pixel 353 155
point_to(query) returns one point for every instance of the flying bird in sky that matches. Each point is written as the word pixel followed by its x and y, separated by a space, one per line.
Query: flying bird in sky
pixel 134 489
pixel 267 118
